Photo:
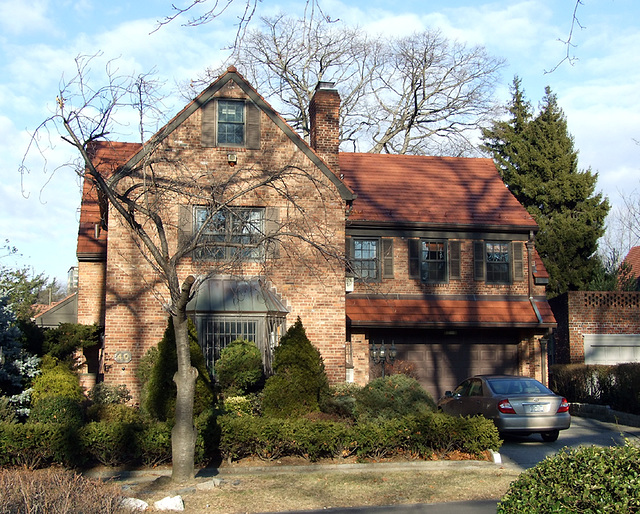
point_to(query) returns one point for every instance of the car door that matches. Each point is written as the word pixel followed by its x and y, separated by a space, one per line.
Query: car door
pixel 472 403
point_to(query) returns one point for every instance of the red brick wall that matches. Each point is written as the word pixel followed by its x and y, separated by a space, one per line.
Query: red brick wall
pixel 592 312
pixel 91 292
pixel 311 286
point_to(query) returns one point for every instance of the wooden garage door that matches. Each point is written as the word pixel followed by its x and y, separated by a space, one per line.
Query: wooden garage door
pixel 441 366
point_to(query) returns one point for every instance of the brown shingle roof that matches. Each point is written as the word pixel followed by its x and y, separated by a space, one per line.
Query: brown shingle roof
pixel 433 190
pixel 448 311
pixel 106 157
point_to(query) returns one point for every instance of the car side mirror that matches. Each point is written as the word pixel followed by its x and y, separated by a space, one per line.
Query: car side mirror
pixel 448 394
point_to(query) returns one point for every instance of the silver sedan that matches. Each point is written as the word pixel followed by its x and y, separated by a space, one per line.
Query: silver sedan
pixel 517 405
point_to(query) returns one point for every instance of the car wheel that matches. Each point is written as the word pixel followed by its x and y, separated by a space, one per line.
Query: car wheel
pixel 550 437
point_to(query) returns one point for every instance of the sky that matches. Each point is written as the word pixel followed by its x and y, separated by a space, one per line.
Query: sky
pixel 598 89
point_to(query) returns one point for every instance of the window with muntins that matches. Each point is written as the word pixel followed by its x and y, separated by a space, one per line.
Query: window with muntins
pixel 230 234
pixel 497 262
pixel 433 261
pixel 365 259
pixel 231 126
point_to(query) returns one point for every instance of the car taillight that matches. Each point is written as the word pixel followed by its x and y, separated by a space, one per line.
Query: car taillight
pixel 564 406
pixel 505 407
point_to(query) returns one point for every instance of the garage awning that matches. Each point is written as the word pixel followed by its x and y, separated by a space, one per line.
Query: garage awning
pixel 224 296
pixel 440 311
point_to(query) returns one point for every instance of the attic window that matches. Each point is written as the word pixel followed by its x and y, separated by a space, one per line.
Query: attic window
pixel 230 122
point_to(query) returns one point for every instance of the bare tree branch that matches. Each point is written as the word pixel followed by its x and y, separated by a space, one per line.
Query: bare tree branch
pixel 568 43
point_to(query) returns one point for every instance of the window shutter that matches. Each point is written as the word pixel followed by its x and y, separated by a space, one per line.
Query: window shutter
pixel 208 113
pixel 478 260
pixel 414 258
pixel 252 130
pixel 348 252
pixel 271 228
pixel 518 261
pixel 455 271
pixel 387 258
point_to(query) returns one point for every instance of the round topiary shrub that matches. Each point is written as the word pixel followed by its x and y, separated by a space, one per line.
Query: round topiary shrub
pixel 392 397
pixel 585 479
pixel 300 384
pixel 56 379
pixel 239 370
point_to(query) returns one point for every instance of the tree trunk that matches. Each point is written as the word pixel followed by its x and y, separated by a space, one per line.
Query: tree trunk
pixel 183 435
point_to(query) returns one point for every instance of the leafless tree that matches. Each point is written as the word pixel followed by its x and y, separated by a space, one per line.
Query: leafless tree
pixel 419 94
pixel 147 196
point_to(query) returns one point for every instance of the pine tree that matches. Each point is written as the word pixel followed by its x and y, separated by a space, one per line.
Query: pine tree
pixel 538 162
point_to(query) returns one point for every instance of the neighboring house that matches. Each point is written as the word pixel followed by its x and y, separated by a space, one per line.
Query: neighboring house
pixel 64 311
pixel 633 261
pixel 598 327
pixel 442 260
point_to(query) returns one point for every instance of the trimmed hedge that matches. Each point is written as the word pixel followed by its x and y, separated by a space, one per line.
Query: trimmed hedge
pixel 416 436
pixel 617 386
pixel 585 479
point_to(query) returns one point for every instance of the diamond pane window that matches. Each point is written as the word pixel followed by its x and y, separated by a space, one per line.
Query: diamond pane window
pixel 497 262
pixel 434 261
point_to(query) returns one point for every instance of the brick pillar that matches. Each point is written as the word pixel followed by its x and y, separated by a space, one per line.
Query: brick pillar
pixel 324 132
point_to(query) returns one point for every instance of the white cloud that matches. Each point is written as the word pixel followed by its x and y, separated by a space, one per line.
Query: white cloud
pixel 25 17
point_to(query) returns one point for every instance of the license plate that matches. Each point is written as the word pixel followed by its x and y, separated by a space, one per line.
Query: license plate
pixel 534 408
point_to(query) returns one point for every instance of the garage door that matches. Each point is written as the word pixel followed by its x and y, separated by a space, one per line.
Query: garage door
pixel 611 349
pixel 440 367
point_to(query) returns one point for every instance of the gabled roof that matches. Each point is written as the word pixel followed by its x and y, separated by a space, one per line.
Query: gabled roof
pixel 438 191
pixel 64 311
pixel 232 75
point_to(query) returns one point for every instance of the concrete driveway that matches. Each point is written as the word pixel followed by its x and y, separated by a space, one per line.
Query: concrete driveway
pixel 526 452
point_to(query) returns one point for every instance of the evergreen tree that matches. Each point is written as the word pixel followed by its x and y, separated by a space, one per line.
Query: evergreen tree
pixel 538 162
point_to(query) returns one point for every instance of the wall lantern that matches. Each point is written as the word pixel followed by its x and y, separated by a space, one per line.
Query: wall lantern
pixel 381 355
pixel 232 159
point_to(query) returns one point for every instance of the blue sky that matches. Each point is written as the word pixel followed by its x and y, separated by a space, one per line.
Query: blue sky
pixel 39 40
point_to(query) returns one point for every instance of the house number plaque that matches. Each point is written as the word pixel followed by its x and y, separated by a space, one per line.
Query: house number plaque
pixel 122 357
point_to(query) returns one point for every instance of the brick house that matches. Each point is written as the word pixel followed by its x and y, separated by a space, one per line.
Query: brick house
pixel 442 261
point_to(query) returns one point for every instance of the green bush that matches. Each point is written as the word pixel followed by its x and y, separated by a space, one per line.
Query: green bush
pixel 114 412
pixel 7 411
pixel 341 401
pixel 106 394
pixel 57 409
pixel 239 370
pixel 617 386
pixel 111 443
pixel 411 436
pixel 34 445
pixel 585 479
pixel 154 443
pixel 62 341
pixel 159 391
pixel 56 379
pixel 391 397
pixel 300 384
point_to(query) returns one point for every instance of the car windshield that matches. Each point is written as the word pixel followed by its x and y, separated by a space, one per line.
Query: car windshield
pixel 517 386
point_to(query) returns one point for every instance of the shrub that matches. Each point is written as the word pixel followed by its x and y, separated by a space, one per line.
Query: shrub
pixel 154 443
pixel 300 384
pixel 159 393
pixel 105 394
pixel 111 443
pixel 34 445
pixel 393 396
pixel 412 436
pixel 7 412
pixel 62 341
pixel 57 409
pixel 341 401
pixel 585 479
pixel 114 412
pixel 56 379
pixel 239 369
pixel 56 490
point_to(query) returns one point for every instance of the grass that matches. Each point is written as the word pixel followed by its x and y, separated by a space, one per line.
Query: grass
pixel 276 491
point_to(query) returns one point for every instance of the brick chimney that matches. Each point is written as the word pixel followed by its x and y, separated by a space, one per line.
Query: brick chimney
pixel 324 114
